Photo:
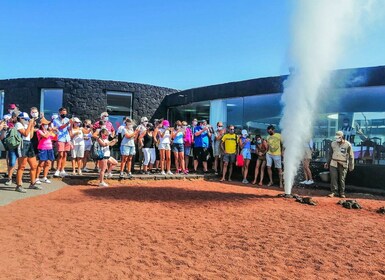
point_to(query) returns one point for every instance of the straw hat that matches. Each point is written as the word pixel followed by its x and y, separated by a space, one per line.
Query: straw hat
pixel 44 121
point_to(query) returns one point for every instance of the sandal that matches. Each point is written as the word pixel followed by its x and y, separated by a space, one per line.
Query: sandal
pixel 260 184
pixel 270 184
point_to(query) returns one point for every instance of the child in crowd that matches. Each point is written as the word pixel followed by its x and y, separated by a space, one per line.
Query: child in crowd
pixel 77 143
pixel 106 159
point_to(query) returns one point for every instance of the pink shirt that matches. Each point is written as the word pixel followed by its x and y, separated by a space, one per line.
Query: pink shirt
pixel 44 143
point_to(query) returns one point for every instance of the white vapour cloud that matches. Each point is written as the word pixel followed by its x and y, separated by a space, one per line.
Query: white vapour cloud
pixel 321 31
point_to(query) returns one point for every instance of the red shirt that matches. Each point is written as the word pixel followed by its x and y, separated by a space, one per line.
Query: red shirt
pixel 108 125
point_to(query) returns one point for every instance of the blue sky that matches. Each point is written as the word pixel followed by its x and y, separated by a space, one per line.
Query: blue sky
pixel 173 43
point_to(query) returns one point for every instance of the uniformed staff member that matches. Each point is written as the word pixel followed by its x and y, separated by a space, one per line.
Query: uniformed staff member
pixel 340 159
pixel 348 131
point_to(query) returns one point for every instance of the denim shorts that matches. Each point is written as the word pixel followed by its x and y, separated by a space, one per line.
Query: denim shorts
pixel 246 153
pixel 127 150
pixel 46 155
pixel 12 157
pixel 187 151
pixel 177 148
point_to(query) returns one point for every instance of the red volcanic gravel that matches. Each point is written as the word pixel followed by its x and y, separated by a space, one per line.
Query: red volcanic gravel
pixel 188 230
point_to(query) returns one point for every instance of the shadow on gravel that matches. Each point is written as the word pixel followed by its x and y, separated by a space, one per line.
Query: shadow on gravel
pixel 167 194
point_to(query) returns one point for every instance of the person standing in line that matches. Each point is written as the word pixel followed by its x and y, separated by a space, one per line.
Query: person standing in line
pixel 229 146
pixel 107 161
pixel 306 163
pixel 340 160
pixel 202 136
pixel 261 149
pixel 127 147
pixel 147 140
pixel 62 125
pixel 46 153
pixel 178 135
pixel 139 148
pixel 164 134
pixel 245 146
pixel 217 151
pixel 78 146
pixel 274 154
pixel 26 153
pixel 106 123
pixel 87 133
pixel 187 142
pixel 12 154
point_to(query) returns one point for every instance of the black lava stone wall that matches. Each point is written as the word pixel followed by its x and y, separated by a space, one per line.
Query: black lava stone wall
pixel 86 98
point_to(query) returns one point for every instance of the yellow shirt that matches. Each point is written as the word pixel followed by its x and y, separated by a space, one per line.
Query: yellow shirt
pixel 230 141
pixel 274 142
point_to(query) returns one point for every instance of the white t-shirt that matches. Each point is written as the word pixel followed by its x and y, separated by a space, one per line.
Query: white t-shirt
pixel 106 149
pixel 18 126
pixel 78 138
pixel 166 138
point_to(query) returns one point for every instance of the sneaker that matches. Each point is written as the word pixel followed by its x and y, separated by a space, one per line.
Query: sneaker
pixel 162 173
pixel 74 172
pixel 148 173
pixel 80 172
pixel 37 182
pixel 331 194
pixel 45 180
pixel 343 196
pixel 85 169
pixel 304 182
pixel 244 181
pixel 57 173
pixel 34 187
pixel 169 173
pixel 20 189
pixel 185 172
pixel 63 174
pixel 103 184
pixel 8 183
pixel 121 176
pixel 109 175
pixel 309 182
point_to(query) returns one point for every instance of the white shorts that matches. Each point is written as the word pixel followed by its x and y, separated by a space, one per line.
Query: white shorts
pixel 164 146
pixel 277 161
pixel 77 151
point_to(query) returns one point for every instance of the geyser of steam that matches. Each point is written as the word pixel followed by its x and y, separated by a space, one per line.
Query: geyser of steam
pixel 320 30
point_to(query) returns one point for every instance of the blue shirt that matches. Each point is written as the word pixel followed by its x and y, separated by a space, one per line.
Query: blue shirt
pixel 178 138
pixel 245 145
pixel 201 141
pixel 63 134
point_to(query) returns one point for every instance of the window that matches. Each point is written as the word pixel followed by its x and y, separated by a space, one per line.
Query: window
pixel 1 102
pixel 51 100
pixel 198 110
pixel 119 105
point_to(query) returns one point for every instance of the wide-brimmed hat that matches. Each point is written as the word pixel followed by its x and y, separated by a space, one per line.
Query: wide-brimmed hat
pixel 44 121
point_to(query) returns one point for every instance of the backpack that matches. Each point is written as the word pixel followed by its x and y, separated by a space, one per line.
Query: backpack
pixel 96 151
pixel 188 137
pixel 12 140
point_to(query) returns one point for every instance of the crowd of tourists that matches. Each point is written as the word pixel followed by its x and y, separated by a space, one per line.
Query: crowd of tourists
pixel 30 138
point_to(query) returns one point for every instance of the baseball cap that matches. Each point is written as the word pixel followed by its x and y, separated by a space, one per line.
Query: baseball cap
pixel 23 115
pixel 77 120
pixel 244 132
pixel 12 106
pixel 165 123
pixel 339 134
pixel 144 119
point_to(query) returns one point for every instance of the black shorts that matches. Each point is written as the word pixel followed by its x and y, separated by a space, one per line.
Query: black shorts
pixel 200 153
pixel 26 149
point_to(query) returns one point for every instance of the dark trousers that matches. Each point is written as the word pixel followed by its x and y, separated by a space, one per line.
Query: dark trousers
pixel 337 179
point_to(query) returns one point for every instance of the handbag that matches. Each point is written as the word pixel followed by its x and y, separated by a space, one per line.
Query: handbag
pixel 239 161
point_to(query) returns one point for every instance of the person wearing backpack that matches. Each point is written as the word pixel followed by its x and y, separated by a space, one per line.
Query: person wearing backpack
pixel 26 153
pixel 11 140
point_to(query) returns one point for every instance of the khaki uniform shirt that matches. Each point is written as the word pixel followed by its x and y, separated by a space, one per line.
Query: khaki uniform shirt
pixel 341 154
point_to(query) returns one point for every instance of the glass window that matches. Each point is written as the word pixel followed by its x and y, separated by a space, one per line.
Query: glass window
pixel 2 102
pixel 119 105
pixel 235 112
pixel 51 100
pixel 198 110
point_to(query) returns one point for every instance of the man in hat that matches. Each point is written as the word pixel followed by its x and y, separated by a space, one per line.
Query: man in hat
pixel 339 160
pixel 13 111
